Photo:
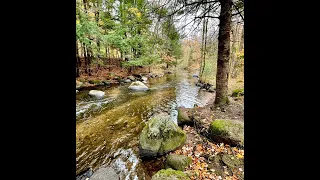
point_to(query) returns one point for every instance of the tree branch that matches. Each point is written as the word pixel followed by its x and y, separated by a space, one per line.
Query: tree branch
pixel 207 17
pixel 238 11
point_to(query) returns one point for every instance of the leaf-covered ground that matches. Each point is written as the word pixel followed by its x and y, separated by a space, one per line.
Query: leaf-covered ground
pixel 203 152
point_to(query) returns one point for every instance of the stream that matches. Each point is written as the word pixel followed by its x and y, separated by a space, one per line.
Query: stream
pixel 107 130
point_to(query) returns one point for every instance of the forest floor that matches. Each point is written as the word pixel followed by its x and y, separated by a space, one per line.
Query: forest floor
pixel 203 151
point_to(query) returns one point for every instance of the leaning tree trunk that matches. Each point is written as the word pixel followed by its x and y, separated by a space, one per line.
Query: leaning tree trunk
pixel 223 54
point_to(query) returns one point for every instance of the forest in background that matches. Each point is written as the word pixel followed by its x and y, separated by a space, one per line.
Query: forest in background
pixel 137 42
pixel 119 36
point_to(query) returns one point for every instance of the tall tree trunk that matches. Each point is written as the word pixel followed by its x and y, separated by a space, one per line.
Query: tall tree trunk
pixel 85 58
pixel 223 54
pixel 89 59
pixel 205 46
pixel 202 47
pixel 97 20
pixel 233 60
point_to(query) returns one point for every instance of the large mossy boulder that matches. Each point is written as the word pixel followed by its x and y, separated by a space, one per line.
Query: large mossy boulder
pixel 228 131
pixel 184 115
pixel 177 162
pixel 170 174
pixel 138 86
pixel 161 135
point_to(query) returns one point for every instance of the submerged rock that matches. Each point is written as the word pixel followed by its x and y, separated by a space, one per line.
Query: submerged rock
pixel 227 131
pixel 96 94
pixel 138 86
pixel 161 135
pixel 105 173
pixel 177 162
pixel 127 80
pixel 170 174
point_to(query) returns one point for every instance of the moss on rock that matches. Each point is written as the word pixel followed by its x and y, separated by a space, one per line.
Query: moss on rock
pixel 177 162
pixel 170 174
pixel 94 81
pixel 228 131
pixel 183 116
pixel 231 161
pixel 161 135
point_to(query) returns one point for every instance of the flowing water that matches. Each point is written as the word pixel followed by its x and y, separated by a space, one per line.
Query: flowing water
pixel 107 130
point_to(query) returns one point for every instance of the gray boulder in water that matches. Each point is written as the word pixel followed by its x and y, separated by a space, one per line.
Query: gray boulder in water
pixel 96 94
pixel 105 173
pixel 138 86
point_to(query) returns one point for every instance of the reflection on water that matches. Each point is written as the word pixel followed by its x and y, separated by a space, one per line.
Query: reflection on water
pixel 108 129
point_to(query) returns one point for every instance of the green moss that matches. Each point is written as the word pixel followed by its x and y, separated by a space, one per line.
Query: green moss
pixel 218 127
pixel 177 140
pixel 237 92
pixel 169 174
pixel 148 140
pixel 94 81
pixel 230 131
pixel 177 162
pixel 161 135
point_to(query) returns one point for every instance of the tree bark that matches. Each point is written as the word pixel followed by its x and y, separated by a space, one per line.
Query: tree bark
pixel 222 75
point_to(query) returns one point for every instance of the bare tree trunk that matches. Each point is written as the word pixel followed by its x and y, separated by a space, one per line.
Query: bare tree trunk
pixel 85 59
pixel 205 46
pixel 223 54
pixel 97 20
pixel 89 58
pixel 202 47
pixel 233 63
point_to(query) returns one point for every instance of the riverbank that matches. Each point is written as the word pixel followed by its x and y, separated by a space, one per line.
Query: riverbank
pixel 119 76
pixel 116 128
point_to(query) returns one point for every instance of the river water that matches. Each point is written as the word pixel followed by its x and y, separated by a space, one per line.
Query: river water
pixel 107 130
